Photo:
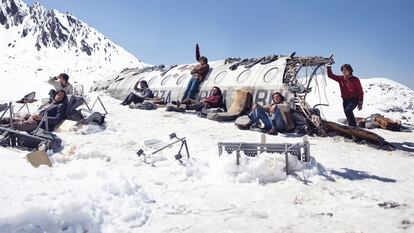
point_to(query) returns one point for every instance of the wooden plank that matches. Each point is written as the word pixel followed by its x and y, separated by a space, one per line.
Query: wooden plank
pixel 38 157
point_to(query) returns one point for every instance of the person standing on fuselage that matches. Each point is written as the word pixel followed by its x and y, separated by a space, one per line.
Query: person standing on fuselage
pixel 199 74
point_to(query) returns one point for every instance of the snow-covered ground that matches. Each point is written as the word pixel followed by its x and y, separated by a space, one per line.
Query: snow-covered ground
pixel 98 183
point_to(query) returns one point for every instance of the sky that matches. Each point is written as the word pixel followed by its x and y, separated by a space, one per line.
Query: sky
pixel 375 37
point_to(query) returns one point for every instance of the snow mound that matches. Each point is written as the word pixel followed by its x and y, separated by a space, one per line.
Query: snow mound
pixel 88 199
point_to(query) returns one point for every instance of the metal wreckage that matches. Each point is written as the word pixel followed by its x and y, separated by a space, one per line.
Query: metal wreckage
pixel 260 77
pixel 242 81
pixel 43 139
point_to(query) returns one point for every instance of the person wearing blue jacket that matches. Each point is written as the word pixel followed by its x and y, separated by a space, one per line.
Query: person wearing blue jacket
pixel 56 112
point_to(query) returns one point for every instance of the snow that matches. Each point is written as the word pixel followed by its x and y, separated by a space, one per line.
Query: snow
pixel 68 197
pixel 98 183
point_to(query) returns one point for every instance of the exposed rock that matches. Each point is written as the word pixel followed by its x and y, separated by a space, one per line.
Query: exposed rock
pixel 11 13
pixel 48 28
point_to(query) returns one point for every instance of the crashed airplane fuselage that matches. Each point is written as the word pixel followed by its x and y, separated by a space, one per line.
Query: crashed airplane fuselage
pixel 288 75
pixel 260 76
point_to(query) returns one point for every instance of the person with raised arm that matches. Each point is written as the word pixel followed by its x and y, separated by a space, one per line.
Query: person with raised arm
pixel 351 91
pixel 199 74
pixel 60 82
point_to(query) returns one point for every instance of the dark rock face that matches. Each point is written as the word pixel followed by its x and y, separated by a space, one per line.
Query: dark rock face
pixel 86 48
pixel 3 19
pixel 25 32
pixel 10 13
pixel 53 33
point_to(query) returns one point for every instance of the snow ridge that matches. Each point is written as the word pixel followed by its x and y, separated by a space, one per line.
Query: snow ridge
pixel 34 39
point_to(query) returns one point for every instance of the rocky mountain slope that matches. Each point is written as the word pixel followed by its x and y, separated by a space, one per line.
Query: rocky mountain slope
pixel 41 42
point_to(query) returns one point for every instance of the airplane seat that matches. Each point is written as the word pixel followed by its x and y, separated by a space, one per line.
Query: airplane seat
pixel 241 105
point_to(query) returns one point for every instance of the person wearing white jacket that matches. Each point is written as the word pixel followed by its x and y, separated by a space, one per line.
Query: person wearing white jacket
pixel 60 82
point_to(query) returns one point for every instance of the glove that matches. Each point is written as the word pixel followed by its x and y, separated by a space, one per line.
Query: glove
pixel 329 62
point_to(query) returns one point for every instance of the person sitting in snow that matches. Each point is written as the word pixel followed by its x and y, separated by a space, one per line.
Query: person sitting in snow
pixel 275 117
pixel 56 113
pixel 199 74
pixel 215 100
pixel 60 82
pixel 140 95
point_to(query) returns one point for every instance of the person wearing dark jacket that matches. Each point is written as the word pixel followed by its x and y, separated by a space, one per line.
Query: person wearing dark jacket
pixel 56 113
pixel 215 100
pixel 140 95
pixel 199 74
pixel 3 107
pixel 351 91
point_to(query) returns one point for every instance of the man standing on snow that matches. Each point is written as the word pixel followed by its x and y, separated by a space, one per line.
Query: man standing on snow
pixel 351 91
pixel 60 82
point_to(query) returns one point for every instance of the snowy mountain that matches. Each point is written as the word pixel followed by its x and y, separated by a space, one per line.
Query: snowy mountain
pixel 39 42
pixel 389 96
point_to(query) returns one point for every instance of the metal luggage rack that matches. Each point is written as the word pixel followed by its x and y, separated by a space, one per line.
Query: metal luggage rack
pixel 301 150
pixel 178 156
pixel 9 137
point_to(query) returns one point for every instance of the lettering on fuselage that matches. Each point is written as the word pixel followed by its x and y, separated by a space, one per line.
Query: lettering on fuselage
pixel 260 96
pixel 166 94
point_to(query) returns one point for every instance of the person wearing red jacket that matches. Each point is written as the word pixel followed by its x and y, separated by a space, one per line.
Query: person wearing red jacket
pixel 215 100
pixel 351 91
